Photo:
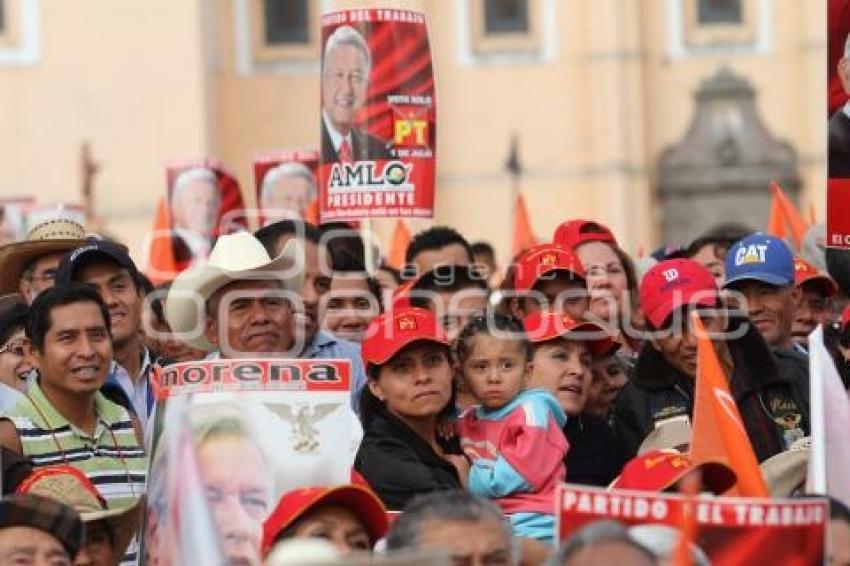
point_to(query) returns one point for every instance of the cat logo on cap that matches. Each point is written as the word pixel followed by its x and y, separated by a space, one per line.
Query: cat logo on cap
pixel 753 253
pixel 407 322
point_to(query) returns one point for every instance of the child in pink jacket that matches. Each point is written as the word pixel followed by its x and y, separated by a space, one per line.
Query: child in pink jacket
pixel 514 438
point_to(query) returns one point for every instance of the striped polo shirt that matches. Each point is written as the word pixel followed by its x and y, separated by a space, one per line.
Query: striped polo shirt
pixel 111 458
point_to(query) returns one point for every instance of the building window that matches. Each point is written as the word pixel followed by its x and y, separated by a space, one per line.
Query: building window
pixel 285 21
pixel 719 12
pixel 720 24
pixel 283 31
pixel 505 16
pixel 505 26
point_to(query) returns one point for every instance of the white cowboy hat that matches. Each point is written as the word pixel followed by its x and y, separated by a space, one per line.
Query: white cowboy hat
pixel 785 473
pixel 672 433
pixel 235 257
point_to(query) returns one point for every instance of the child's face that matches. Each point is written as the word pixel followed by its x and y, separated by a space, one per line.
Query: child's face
pixel 563 368
pixel 495 370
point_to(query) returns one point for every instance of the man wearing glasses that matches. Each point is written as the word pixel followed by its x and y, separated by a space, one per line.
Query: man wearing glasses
pixel 29 267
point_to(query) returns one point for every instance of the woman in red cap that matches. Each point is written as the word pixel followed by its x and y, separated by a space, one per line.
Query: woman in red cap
pixel 562 353
pixel 611 277
pixel 409 387
pixel 350 517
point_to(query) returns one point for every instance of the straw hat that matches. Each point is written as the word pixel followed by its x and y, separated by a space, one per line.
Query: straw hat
pixel 68 485
pixel 235 257
pixel 50 236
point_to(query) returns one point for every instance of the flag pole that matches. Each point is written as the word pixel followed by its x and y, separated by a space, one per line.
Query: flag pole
pixel 514 167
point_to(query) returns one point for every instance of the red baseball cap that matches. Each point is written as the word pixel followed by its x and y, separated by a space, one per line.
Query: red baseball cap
pixel 845 318
pixel 658 470
pixel 673 283
pixel 542 259
pixel 392 331
pixel 542 326
pixel 804 272
pixel 296 503
pixel 575 232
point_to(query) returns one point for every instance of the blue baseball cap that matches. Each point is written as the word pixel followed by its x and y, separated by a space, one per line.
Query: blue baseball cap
pixel 760 258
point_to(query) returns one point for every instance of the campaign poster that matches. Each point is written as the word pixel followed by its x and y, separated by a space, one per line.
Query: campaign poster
pixel 729 530
pixel 258 428
pixel 378 117
pixel 204 201
pixel 286 184
pixel 838 214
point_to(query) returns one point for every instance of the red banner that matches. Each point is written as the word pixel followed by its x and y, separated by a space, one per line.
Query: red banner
pixel 838 213
pixel 285 182
pixel 729 530
pixel 378 119
pixel 253 375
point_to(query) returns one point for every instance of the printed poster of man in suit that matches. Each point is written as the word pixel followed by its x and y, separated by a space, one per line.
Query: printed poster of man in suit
pixel 205 201
pixel 378 117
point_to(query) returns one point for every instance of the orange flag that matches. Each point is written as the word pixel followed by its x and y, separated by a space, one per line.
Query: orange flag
pixel 398 246
pixel 791 215
pixel 161 265
pixel 311 215
pixel 776 221
pixel 718 432
pixel 523 235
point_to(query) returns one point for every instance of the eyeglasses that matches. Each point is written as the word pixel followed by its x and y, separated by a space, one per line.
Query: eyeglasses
pixel 16 348
pixel 48 276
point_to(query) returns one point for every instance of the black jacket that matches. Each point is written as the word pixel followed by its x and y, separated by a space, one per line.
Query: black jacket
pixel 595 456
pixel 771 390
pixel 399 464
pixel 838 161
pixel 364 146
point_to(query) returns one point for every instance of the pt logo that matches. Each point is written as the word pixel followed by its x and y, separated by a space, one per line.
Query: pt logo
pixel 670 274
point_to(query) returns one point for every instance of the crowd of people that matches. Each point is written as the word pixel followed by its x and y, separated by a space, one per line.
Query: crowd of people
pixel 479 390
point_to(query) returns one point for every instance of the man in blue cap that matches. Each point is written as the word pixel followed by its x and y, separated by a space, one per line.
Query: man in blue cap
pixel 761 270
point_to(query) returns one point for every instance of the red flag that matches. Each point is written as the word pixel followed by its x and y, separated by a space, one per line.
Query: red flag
pixel 523 235
pixel 161 265
pixel 398 246
pixel 791 215
pixel 718 433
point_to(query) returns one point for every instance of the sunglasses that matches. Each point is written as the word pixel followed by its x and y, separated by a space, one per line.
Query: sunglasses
pixel 16 348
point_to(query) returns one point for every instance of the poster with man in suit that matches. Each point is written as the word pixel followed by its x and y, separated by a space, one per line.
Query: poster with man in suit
pixel 378 116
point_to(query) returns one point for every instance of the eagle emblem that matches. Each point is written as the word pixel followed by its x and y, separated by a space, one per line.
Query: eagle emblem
pixel 302 418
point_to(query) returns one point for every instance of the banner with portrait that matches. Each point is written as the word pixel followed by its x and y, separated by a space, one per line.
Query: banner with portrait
pixel 378 118
pixel 286 186
pixel 726 530
pixel 257 429
pixel 203 202
pixel 838 214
